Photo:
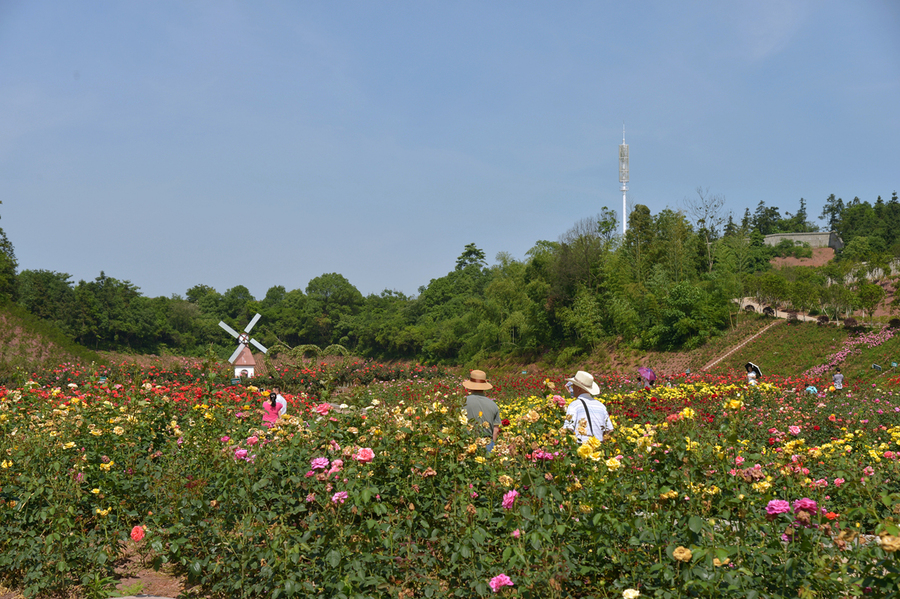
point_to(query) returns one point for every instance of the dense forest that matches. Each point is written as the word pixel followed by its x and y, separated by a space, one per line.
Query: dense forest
pixel 667 284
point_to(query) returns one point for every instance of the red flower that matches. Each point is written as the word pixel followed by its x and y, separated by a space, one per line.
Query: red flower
pixel 816 427
pixel 771 440
pixel 505 422
pixel 137 533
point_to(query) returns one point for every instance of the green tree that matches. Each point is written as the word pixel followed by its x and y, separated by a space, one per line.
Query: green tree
pixel 8 266
pixel 471 256
pixel 869 296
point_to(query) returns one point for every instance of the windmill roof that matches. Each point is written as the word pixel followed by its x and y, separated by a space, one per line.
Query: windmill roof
pixel 245 358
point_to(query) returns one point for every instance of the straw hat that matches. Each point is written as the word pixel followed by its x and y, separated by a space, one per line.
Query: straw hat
pixel 585 381
pixel 477 381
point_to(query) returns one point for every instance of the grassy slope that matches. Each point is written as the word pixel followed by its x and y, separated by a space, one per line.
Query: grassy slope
pixel 28 343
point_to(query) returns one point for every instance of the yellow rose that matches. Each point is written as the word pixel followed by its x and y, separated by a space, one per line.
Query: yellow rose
pixel 682 554
pixel 613 464
pixel 585 450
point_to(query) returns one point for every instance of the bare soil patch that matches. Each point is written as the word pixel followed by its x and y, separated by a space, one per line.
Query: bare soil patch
pixel 820 257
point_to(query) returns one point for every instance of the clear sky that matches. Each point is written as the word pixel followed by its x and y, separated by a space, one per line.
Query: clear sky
pixel 263 143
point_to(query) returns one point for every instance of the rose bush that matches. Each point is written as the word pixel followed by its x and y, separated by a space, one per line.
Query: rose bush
pixel 702 490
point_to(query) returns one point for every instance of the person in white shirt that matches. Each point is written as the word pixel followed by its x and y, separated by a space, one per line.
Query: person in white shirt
pixel 586 415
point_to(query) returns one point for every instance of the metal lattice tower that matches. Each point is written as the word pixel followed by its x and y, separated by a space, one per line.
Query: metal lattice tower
pixel 623 176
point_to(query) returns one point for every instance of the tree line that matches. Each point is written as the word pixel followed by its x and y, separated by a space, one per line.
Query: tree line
pixel 667 284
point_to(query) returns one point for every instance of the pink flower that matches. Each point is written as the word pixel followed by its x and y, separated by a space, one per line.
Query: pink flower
pixel 516 533
pixel 794 430
pixel 805 505
pixel 240 454
pixel 137 533
pixel 310 497
pixel 339 497
pixel 868 471
pixel 838 482
pixel 252 440
pixel 225 439
pixel 323 409
pixel 739 460
pixel 319 463
pixel 336 466
pixel 364 455
pixel 509 499
pixel 777 506
pixel 500 581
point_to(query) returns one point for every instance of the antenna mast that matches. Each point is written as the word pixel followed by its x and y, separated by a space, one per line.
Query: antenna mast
pixel 623 175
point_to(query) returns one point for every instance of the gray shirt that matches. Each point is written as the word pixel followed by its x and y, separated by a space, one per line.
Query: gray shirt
pixel 484 408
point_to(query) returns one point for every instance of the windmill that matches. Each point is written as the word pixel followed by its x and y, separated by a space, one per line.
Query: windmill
pixel 242 358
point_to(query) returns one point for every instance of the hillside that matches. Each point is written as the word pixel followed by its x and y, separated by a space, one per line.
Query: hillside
pixel 28 343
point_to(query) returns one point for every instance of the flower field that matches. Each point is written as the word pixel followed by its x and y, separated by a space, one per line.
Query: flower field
pixel 705 489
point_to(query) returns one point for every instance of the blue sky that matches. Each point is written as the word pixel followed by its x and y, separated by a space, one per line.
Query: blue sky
pixel 266 143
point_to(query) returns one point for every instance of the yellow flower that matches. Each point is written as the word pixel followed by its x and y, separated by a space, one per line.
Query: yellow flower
pixel 890 543
pixel 6 464
pixel 69 445
pixel 585 450
pixel 688 414
pixel 118 430
pixel 682 554
pixel 480 459
pixel 95 491
pixel 107 466
pixel 506 481
pixel 613 464
pixel 97 432
pixel 668 495
pixel 762 486
pixel 103 512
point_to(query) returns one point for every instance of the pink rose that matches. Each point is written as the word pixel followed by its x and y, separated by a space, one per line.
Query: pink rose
pixel 240 454
pixel 777 506
pixel 516 533
pixel 794 430
pixel 339 497
pixel 319 463
pixel 500 581
pixel 364 455
pixel 509 499
pixel 323 409
pixel 252 440
pixel 805 505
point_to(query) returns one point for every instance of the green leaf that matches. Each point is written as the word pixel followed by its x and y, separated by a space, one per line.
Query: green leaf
pixel 334 558
pixel 695 523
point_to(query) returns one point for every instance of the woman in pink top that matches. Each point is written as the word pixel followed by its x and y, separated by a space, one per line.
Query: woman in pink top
pixel 274 408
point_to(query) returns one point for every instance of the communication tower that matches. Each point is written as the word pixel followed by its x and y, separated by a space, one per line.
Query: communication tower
pixel 623 175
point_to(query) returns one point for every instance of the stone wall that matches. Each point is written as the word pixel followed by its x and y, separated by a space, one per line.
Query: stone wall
pixel 816 240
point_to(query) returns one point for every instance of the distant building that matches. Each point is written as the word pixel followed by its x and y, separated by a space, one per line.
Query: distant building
pixel 245 365
pixel 815 240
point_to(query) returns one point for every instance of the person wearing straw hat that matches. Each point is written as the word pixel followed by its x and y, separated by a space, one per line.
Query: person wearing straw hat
pixel 480 407
pixel 586 416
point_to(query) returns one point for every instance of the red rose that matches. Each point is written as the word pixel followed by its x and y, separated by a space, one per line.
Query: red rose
pixel 137 533
pixel 505 422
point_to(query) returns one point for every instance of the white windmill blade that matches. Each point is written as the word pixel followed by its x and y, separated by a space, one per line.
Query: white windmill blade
pixel 252 322
pixel 236 353
pixel 259 346
pixel 229 329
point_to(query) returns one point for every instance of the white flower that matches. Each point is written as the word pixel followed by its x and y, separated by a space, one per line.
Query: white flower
pixel 631 594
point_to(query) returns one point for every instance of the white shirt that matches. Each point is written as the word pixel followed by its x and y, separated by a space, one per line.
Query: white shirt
pixel 599 418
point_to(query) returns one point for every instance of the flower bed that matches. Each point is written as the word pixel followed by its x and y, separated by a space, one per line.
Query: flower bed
pixel 704 489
